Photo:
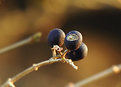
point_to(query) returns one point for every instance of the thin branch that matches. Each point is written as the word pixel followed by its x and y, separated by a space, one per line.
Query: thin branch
pixel 33 38
pixel 10 82
pixel 112 70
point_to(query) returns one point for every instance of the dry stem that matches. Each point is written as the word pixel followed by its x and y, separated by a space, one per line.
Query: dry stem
pixel 112 70
pixel 33 38
pixel 10 82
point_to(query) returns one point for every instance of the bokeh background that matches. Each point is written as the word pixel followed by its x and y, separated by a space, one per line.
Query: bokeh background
pixel 99 21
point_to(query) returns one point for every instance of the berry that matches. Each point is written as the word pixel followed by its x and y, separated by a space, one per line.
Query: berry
pixel 73 40
pixel 78 54
pixel 56 37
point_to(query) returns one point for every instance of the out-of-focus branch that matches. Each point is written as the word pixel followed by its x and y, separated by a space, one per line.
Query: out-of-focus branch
pixel 33 38
pixel 112 70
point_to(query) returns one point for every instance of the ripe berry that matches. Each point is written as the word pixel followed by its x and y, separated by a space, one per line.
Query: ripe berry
pixel 78 54
pixel 56 37
pixel 73 40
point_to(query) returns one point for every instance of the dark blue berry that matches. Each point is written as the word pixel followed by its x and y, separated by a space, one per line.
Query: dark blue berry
pixel 56 37
pixel 78 54
pixel 73 40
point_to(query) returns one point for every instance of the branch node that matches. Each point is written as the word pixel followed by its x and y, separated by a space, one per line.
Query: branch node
pixel 35 67
pixel 56 47
pixel 10 83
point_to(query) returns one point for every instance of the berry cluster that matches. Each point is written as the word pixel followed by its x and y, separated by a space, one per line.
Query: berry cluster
pixel 73 42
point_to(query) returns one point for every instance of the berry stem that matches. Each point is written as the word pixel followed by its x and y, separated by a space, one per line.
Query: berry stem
pixel 10 82
pixel 53 52
pixel 59 52
pixel 33 38
pixel 65 52
pixel 112 70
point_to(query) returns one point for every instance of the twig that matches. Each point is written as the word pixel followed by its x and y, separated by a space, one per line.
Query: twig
pixel 10 82
pixel 112 70
pixel 33 38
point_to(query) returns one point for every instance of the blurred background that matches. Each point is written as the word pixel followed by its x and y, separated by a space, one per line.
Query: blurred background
pixel 99 21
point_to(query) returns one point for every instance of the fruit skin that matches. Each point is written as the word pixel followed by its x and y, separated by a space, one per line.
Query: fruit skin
pixel 73 40
pixel 78 54
pixel 56 37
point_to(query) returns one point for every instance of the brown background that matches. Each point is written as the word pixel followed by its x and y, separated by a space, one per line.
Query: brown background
pixel 99 21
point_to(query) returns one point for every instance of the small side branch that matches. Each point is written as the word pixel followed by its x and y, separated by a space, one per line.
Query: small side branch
pixel 10 82
pixel 33 38
pixel 112 70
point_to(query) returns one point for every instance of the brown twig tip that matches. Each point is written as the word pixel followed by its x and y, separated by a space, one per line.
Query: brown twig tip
pixel 116 69
pixel 36 37
pixel 70 84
